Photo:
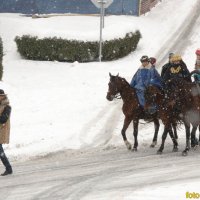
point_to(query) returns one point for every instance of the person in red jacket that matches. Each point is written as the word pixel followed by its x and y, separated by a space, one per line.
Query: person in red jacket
pixel 197 64
pixel 152 60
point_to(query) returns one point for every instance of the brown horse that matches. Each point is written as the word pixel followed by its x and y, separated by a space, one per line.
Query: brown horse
pixel 196 92
pixel 155 96
pixel 187 99
pixel 131 109
pixel 180 102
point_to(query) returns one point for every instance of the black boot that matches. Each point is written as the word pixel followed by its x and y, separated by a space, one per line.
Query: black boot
pixel 7 172
pixel 6 163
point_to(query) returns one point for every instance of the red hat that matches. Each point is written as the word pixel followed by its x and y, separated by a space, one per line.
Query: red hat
pixel 152 60
pixel 198 52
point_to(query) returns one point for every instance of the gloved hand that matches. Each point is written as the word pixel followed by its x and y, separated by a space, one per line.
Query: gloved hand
pixel 196 77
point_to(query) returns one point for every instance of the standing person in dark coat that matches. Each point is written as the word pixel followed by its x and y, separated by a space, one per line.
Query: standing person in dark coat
pixel 5 111
pixel 167 65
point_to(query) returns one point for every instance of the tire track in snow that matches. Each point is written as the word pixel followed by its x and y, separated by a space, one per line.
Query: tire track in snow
pixel 97 172
pixel 106 121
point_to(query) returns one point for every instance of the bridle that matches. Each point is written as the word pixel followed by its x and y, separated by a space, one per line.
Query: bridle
pixel 117 95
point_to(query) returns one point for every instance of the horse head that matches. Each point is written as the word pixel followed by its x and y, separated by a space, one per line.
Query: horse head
pixel 113 87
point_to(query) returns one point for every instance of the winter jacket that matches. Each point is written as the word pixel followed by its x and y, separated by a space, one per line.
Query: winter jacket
pixel 177 71
pixel 197 67
pixel 5 111
pixel 197 64
pixel 197 77
pixel 164 68
pixel 144 77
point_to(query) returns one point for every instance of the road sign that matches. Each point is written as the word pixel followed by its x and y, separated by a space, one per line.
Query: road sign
pixel 101 4
pixel 98 3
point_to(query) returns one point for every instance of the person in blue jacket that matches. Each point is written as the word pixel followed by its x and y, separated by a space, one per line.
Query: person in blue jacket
pixel 146 75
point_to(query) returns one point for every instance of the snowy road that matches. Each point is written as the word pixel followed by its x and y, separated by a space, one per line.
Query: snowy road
pixel 111 173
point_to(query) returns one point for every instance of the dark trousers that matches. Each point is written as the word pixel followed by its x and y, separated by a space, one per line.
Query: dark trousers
pixel 4 159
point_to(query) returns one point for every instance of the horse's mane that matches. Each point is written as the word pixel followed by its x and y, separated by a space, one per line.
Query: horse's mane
pixel 124 80
pixel 128 86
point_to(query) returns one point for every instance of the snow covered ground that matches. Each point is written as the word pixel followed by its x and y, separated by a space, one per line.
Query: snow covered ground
pixel 60 106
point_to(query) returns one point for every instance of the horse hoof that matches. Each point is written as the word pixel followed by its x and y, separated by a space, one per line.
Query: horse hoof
pixel 129 148
pixel 184 153
pixel 153 144
pixel 134 149
pixel 194 142
pixel 195 147
pixel 128 145
pixel 159 152
pixel 175 150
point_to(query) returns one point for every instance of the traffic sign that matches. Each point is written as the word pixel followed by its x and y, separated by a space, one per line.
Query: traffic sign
pixel 106 3
pixel 101 4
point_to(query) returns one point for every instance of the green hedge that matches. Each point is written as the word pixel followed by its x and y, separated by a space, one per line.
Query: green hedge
pixel 1 58
pixel 71 50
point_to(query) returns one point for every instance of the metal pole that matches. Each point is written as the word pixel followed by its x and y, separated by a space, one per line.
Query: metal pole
pixel 139 7
pixel 103 16
pixel 101 26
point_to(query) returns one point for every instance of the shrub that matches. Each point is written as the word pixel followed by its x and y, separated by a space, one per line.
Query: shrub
pixel 72 50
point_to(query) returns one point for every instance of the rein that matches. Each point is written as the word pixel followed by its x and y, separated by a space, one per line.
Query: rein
pixel 117 96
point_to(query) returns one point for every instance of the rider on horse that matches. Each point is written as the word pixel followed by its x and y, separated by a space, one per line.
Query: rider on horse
pixel 146 75
pixel 167 65
pixel 176 72
pixel 177 69
pixel 152 60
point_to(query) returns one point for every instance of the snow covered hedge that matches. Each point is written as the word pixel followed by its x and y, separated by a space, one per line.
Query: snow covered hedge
pixel 1 58
pixel 72 50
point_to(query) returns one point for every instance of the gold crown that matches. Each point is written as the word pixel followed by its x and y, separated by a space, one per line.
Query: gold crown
pixel 176 58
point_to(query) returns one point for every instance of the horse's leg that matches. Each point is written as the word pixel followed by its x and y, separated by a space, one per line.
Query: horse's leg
pixel 187 148
pixel 127 121
pixel 173 137
pixel 199 134
pixel 156 126
pixel 175 130
pixel 135 133
pixel 164 136
pixel 194 140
